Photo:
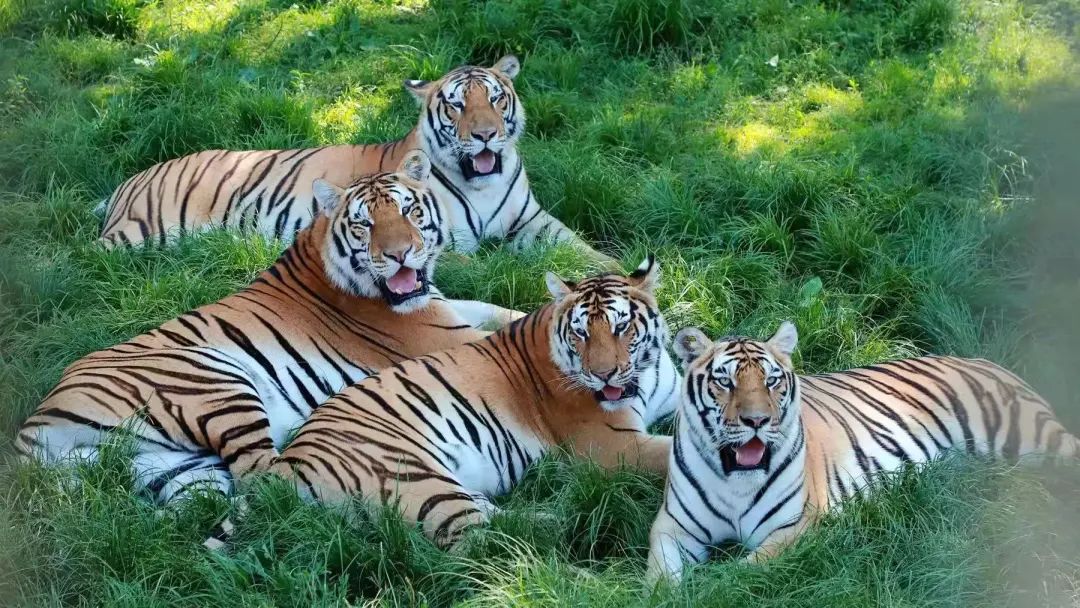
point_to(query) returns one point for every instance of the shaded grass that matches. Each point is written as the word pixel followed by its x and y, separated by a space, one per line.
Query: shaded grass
pixel 570 535
pixel 895 177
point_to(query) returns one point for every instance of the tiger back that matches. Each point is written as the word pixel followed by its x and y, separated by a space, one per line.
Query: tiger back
pixel 470 122
pixel 210 395
pixel 760 452
pixel 441 434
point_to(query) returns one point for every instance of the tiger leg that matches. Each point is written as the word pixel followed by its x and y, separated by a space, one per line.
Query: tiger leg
pixel 542 226
pixel 167 469
pixel 1058 447
pixel 611 448
pixel 670 547
pixel 445 510
pixel 777 541
pixel 235 427
pixel 174 476
pixel 488 508
pixel 423 493
pixel 483 315
pixel 1069 448
pixel 446 521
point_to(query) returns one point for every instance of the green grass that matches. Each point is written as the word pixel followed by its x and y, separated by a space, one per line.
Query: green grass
pixel 895 177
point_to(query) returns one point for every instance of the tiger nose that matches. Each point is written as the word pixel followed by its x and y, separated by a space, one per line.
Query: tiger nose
pixel 484 134
pixel 398 255
pixel 754 422
pixel 604 375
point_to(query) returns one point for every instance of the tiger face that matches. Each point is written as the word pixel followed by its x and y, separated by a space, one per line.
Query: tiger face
pixel 386 231
pixel 607 330
pixel 739 395
pixel 472 118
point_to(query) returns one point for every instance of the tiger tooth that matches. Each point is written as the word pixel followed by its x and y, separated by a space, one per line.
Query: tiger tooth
pixel 417 286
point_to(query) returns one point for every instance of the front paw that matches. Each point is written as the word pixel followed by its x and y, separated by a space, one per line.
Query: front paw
pixel 758 556
pixel 660 577
pixel 500 319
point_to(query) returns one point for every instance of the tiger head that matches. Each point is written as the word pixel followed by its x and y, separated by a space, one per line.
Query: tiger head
pixel 740 396
pixel 385 232
pixel 606 330
pixel 471 119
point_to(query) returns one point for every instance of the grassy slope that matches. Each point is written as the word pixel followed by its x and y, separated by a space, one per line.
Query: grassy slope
pixel 898 179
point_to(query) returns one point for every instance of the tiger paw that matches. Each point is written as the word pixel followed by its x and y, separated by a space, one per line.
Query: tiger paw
pixel 468 542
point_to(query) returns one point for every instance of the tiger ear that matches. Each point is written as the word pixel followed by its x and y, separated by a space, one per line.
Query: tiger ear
pixel 691 343
pixel 509 65
pixel 416 165
pixel 559 288
pixel 785 339
pixel 419 89
pixel 647 275
pixel 327 195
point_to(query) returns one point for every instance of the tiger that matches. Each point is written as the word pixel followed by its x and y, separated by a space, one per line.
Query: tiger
pixel 207 398
pixel 470 123
pixel 439 435
pixel 760 453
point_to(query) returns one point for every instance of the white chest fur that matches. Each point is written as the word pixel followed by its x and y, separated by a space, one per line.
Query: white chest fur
pixel 484 208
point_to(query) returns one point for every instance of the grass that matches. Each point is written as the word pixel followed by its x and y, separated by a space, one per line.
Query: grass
pixel 895 177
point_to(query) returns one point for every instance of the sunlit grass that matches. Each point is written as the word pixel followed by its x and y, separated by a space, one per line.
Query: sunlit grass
pixel 202 18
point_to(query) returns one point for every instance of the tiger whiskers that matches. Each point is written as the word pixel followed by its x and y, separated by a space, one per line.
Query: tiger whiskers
pixel 570 382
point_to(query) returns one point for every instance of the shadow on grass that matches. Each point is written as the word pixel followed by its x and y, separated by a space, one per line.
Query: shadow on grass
pixel 947 534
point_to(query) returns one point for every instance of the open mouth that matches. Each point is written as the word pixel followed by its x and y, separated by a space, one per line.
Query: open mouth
pixel 615 393
pixel 750 456
pixel 406 284
pixel 486 162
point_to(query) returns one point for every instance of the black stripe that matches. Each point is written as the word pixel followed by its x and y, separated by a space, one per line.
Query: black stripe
pixel 462 200
pixel 776 508
pixel 513 182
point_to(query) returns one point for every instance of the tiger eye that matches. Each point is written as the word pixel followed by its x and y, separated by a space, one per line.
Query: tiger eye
pixel 358 230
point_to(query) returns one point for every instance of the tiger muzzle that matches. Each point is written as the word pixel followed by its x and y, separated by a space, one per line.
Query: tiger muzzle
pixel 616 393
pixel 483 163
pixel 753 455
pixel 404 285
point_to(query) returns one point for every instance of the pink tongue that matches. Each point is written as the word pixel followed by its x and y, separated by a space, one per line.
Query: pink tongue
pixel 403 281
pixel 750 453
pixel 612 393
pixel 484 162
